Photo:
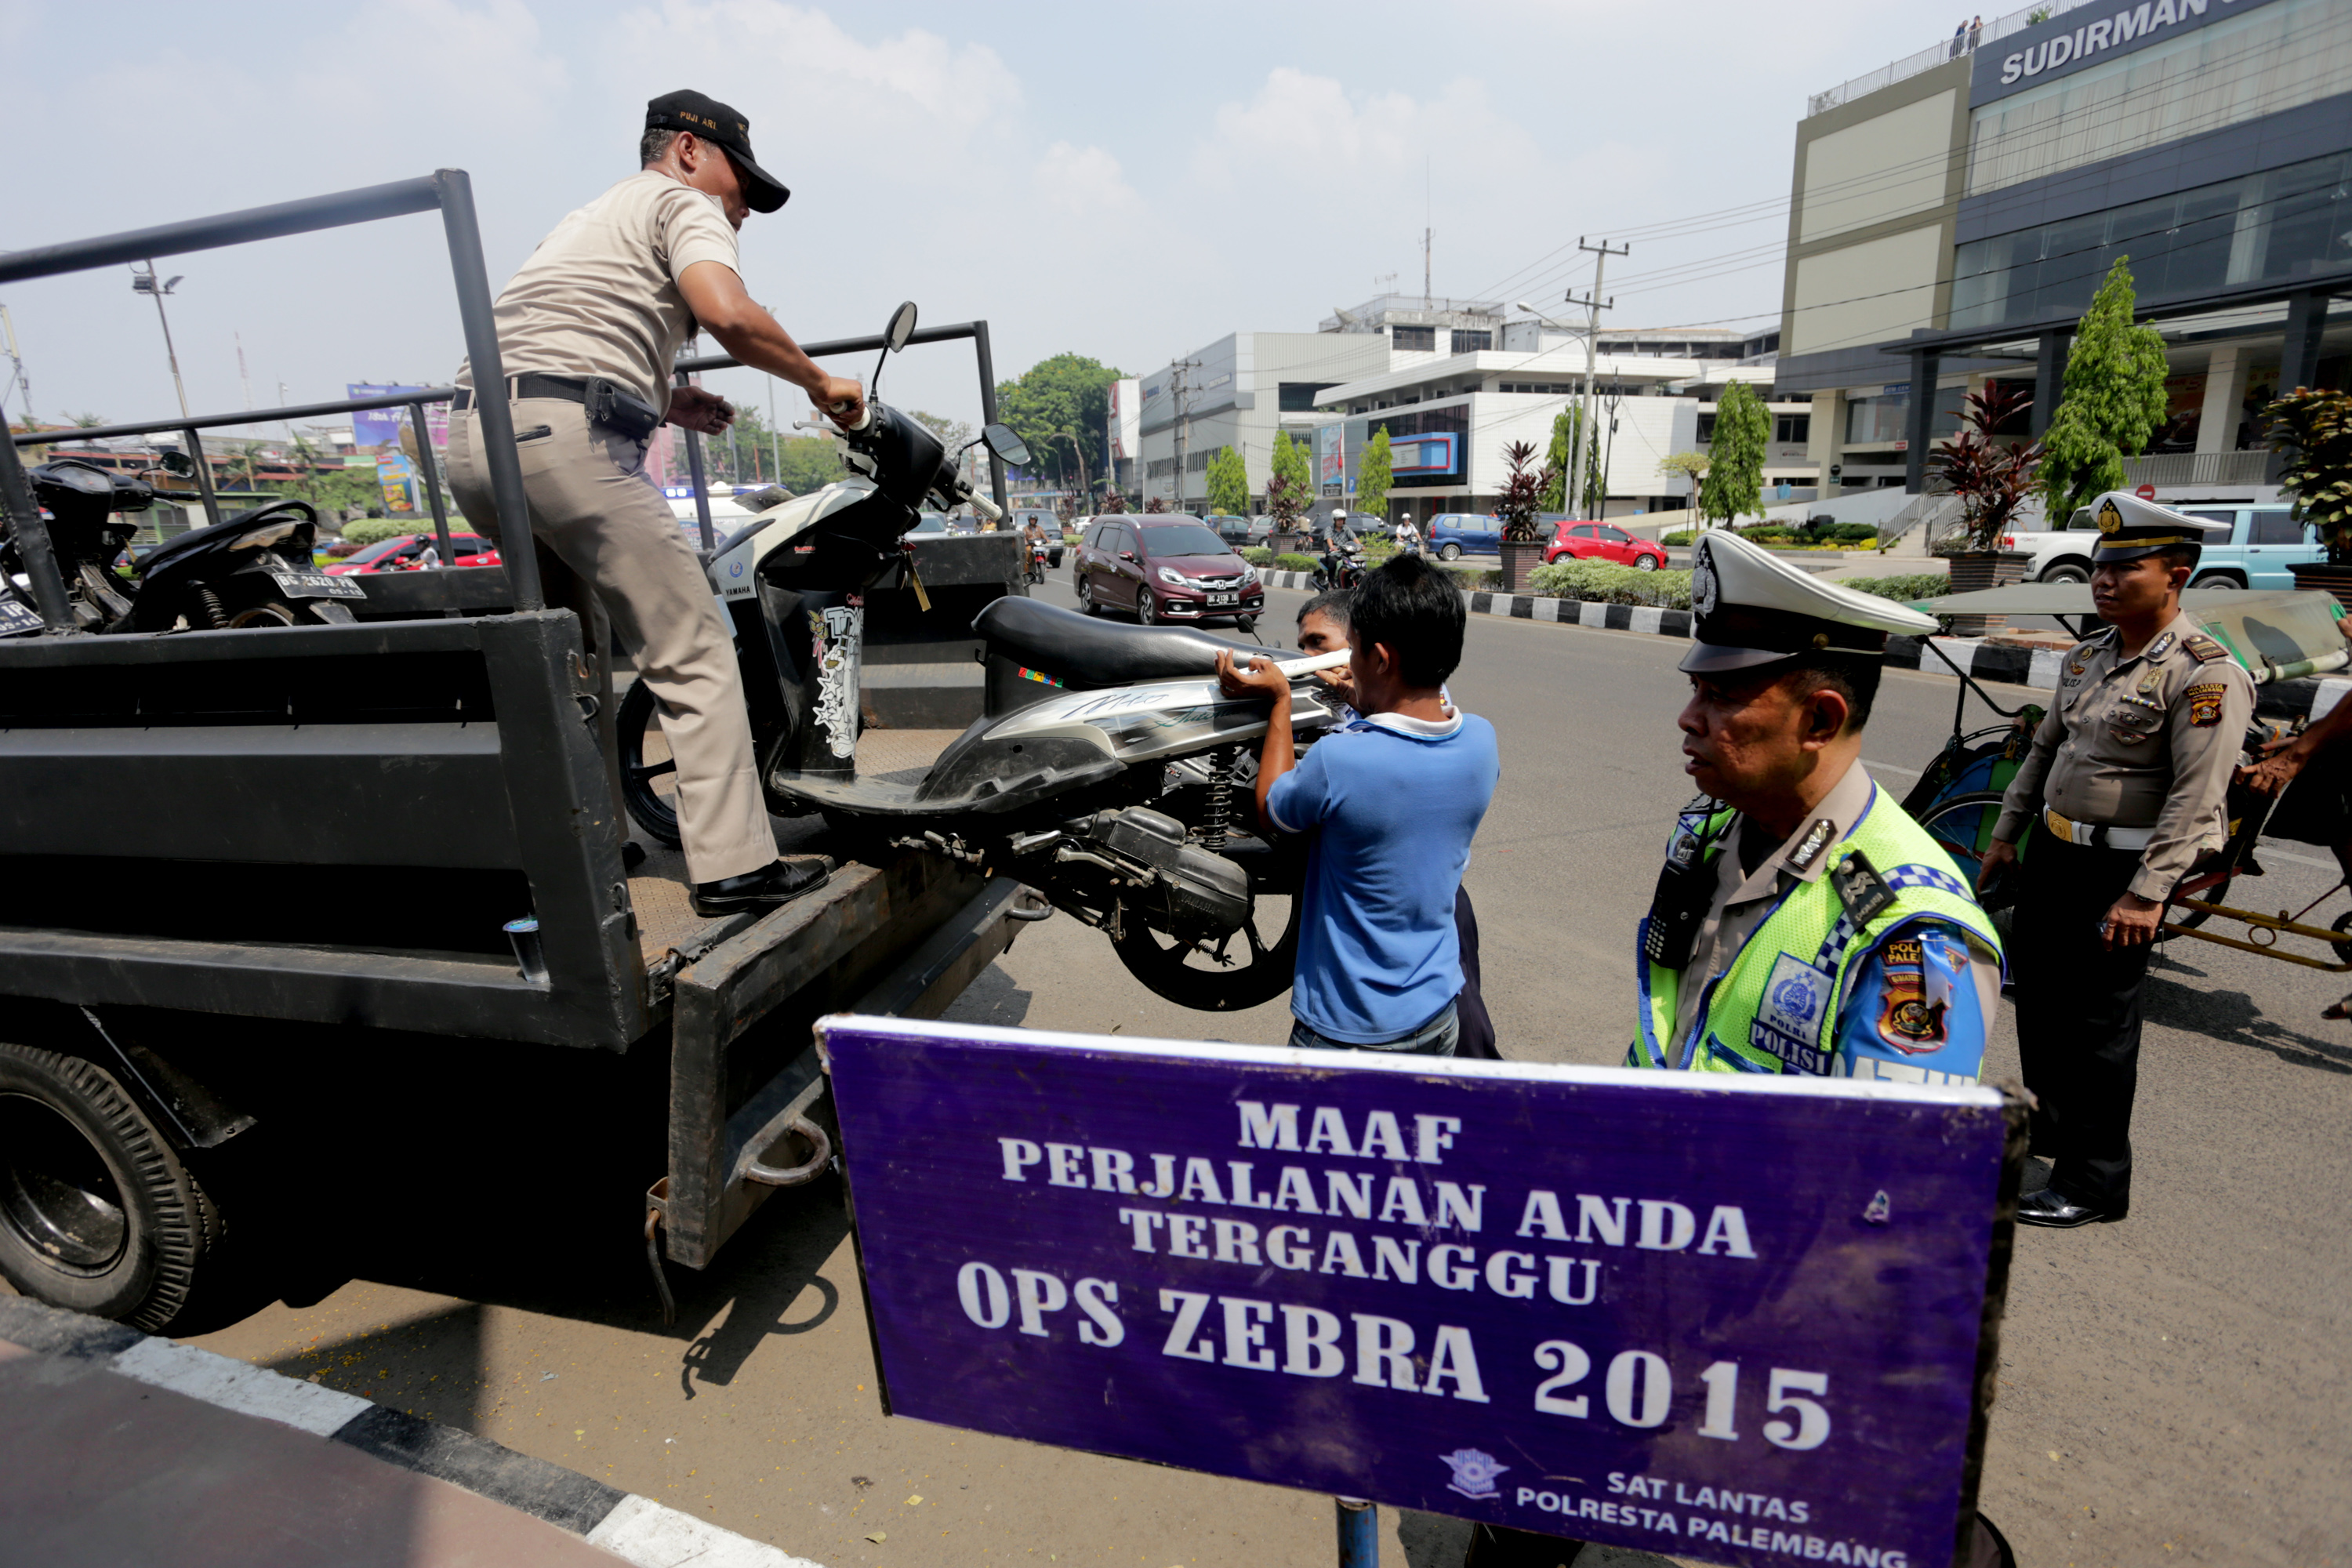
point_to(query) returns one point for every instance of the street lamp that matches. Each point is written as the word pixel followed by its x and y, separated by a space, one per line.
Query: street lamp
pixel 148 283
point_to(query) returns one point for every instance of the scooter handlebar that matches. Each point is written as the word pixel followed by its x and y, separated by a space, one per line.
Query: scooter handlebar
pixel 985 507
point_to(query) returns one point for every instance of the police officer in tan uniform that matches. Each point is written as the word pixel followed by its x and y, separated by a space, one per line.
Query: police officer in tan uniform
pixel 2123 790
pixel 588 330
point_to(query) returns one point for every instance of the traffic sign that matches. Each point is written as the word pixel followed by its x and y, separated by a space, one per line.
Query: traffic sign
pixel 2146 493
pixel 1745 1320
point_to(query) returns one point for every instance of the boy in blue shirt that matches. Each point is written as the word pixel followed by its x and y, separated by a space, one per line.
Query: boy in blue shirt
pixel 1393 800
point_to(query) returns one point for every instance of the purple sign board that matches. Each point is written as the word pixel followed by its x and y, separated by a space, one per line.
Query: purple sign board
pixel 1740 1319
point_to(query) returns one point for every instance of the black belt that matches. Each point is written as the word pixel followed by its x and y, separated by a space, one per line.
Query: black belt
pixel 607 403
pixel 571 389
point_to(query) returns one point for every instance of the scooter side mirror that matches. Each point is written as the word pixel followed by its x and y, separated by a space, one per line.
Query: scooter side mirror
pixel 902 327
pixel 1007 444
pixel 178 463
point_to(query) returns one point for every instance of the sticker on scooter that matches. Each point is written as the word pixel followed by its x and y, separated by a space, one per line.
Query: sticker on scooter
pixel 838 629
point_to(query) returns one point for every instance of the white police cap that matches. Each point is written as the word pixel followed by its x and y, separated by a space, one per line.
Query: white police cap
pixel 1754 608
pixel 2130 528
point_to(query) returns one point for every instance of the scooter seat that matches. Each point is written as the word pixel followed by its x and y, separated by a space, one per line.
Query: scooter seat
pixel 1088 653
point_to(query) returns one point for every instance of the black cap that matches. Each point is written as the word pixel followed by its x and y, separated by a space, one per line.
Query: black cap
pixel 716 122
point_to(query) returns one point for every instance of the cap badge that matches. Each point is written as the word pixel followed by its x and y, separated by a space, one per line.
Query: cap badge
pixel 2111 516
pixel 1703 584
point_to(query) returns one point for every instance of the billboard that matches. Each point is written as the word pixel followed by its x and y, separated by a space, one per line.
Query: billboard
pixel 382 426
pixel 1330 456
pixel 1744 1321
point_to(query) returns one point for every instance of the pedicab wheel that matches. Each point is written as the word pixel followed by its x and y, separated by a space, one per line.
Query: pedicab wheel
pixel 654 813
pixel 97 1214
pixel 1961 826
pixel 2342 923
pixel 2189 920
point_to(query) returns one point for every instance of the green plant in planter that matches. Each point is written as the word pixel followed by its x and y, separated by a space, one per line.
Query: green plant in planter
pixel 1991 479
pixel 1522 496
pixel 2312 426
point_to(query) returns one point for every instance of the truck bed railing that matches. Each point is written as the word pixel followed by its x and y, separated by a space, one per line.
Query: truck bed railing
pixel 451 191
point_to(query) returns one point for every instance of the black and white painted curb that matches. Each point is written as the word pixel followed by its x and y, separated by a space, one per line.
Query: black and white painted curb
pixel 1979 659
pixel 633 1529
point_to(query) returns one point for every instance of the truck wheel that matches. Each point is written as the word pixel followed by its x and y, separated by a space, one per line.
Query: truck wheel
pixel 97 1212
pixel 2218 579
pixel 2067 572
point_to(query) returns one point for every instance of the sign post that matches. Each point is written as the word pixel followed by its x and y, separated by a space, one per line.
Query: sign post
pixel 1744 1321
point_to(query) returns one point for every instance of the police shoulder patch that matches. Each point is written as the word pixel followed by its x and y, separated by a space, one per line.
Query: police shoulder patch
pixel 2204 649
pixel 2205 703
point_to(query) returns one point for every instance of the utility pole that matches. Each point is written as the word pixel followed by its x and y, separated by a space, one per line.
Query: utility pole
pixel 1594 304
pixel 1181 389
pixel 147 282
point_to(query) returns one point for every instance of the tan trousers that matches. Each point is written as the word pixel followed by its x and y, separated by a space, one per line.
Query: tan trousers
pixel 608 546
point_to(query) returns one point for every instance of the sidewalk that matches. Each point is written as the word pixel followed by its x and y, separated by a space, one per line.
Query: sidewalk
pixel 121 1451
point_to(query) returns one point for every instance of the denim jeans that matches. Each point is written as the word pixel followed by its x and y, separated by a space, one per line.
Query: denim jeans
pixel 1434 1038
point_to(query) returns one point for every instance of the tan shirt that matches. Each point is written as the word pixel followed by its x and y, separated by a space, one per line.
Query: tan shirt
pixel 1743 900
pixel 2145 742
pixel 600 295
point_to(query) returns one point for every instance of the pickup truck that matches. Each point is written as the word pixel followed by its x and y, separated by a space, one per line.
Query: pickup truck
pixel 2262 543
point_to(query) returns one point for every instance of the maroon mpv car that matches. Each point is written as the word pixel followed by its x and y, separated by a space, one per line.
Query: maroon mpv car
pixel 1165 570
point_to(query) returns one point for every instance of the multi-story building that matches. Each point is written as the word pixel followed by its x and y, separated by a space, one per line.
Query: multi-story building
pixel 1953 213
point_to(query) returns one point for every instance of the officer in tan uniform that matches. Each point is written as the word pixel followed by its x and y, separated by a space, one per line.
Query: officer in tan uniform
pixel 588 329
pixel 2125 783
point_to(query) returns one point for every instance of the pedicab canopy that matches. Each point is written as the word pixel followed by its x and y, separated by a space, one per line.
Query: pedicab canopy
pixel 1736 1320
pixel 2281 636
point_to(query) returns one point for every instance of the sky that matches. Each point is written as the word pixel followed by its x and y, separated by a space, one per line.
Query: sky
pixel 1129 183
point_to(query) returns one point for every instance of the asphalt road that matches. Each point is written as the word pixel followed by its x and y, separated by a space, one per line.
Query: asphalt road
pixel 2174 1388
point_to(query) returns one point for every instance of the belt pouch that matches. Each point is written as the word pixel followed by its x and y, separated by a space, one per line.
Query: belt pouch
pixel 619 410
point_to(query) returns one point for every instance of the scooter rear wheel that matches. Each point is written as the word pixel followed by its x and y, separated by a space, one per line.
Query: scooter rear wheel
pixel 1258 959
pixel 645 759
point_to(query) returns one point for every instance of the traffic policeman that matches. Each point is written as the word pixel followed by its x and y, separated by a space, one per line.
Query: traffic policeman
pixel 1803 922
pixel 588 330
pixel 2125 780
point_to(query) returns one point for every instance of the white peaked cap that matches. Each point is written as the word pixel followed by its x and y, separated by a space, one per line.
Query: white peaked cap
pixel 1754 608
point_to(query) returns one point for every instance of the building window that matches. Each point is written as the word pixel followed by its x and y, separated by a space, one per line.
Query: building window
pixel 1705 428
pixel 1793 429
pixel 1870 419
pixel 1466 343
pixel 1413 337
pixel 2267 227
pixel 1298 396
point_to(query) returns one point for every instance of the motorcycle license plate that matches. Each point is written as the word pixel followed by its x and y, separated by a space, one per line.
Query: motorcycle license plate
pixel 1216 599
pixel 16 619
pixel 317 586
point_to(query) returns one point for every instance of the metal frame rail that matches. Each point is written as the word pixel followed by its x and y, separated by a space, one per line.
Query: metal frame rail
pixel 186 429
pixel 976 331
pixel 449 191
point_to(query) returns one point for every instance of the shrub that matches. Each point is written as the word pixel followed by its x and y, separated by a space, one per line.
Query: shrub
pixel 1259 555
pixel 1294 562
pixel 374 531
pixel 1607 583
pixel 1903 589
pixel 1680 536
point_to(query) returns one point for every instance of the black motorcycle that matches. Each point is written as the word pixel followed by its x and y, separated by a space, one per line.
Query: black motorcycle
pixel 251 570
pixel 1102 773
pixel 1343 568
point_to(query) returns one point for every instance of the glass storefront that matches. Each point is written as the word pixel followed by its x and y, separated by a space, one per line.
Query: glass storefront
pixel 2273 227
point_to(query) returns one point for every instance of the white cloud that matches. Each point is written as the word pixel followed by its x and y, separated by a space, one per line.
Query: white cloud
pixel 1084 184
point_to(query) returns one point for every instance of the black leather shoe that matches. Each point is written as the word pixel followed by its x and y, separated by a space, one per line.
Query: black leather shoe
pixel 2054 1208
pixel 777 882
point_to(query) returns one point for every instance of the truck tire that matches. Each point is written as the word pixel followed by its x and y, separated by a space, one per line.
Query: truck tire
pixel 2219 579
pixel 97 1214
pixel 2066 572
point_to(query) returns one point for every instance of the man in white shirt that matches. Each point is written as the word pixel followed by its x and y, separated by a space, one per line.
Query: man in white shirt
pixel 588 329
pixel 1408 538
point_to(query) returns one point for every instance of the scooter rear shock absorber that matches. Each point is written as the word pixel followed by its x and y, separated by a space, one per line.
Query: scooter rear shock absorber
pixel 1219 817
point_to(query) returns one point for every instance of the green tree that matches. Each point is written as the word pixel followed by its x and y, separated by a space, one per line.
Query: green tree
pixel 1069 391
pixel 2113 401
pixel 955 434
pixel 1734 470
pixel 809 463
pixel 1291 462
pixel 1691 465
pixel 1374 474
pixel 1228 483
pixel 1594 483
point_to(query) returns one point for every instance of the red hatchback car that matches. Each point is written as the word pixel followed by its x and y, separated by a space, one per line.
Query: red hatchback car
pixel 405 553
pixel 1165 570
pixel 1599 542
